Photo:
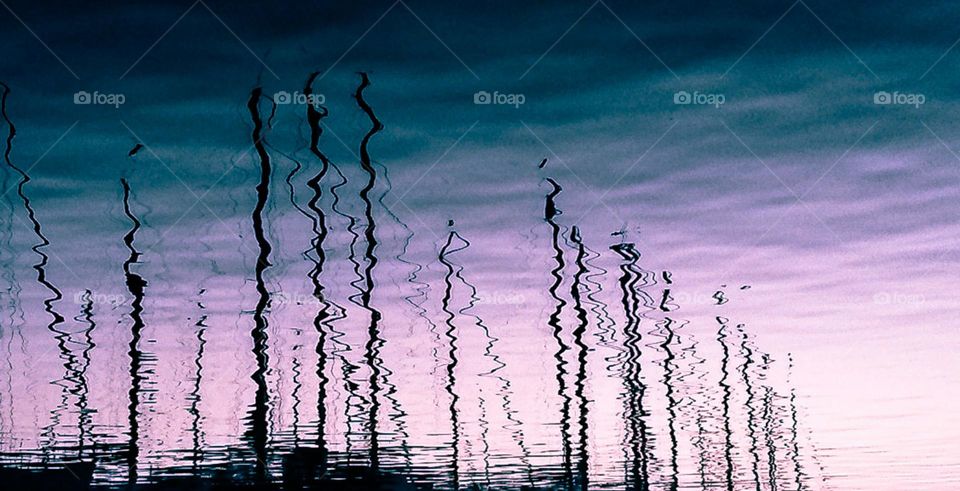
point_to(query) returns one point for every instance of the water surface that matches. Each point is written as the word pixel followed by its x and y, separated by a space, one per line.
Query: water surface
pixel 756 295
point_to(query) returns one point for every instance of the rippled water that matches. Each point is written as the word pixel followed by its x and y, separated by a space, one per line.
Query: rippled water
pixel 598 288
pixel 307 322
pixel 320 326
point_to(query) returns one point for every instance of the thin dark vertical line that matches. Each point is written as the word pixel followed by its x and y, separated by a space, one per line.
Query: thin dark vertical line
pixel 319 226
pixel 768 430
pixel 40 267
pixel 195 397
pixel 668 375
pixel 550 213
pixel 374 342
pixel 795 454
pixel 445 251
pixel 9 256
pixel 136 286
pixel 578 333
pixel 635 387
pixel 329 312
pixel 747 354
pixel 257 432
pixel 725 402
pixel 84 419
pixel 297 387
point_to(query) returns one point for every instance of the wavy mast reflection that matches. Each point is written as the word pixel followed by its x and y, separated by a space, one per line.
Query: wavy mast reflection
pixel 330 312
pixel 669 367
pixel 582 350
pixel 747 353
pixel 61 336
pixel 450 387
pixel 321 321
pixel 593 352
pixel 550 213
pixel 136 286
pixel 84 419
pixel 374 342
pixel 7 252
pixel 726 388
pixel 635 417
pixel 257 432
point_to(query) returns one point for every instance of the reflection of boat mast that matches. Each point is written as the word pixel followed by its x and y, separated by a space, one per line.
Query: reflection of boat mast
pixel 257 432
pixel 135 285
pixel 578 333
pixel 319 226
pixel 550 212
pixel 83 389
pixel 195 393
pixel 668 374
pixel 795 454
pixel 374 342
pixel 725 401
pixel 69 359
pixel 445 251
pixel 768 422
pixel 747 354
pixel 635 388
